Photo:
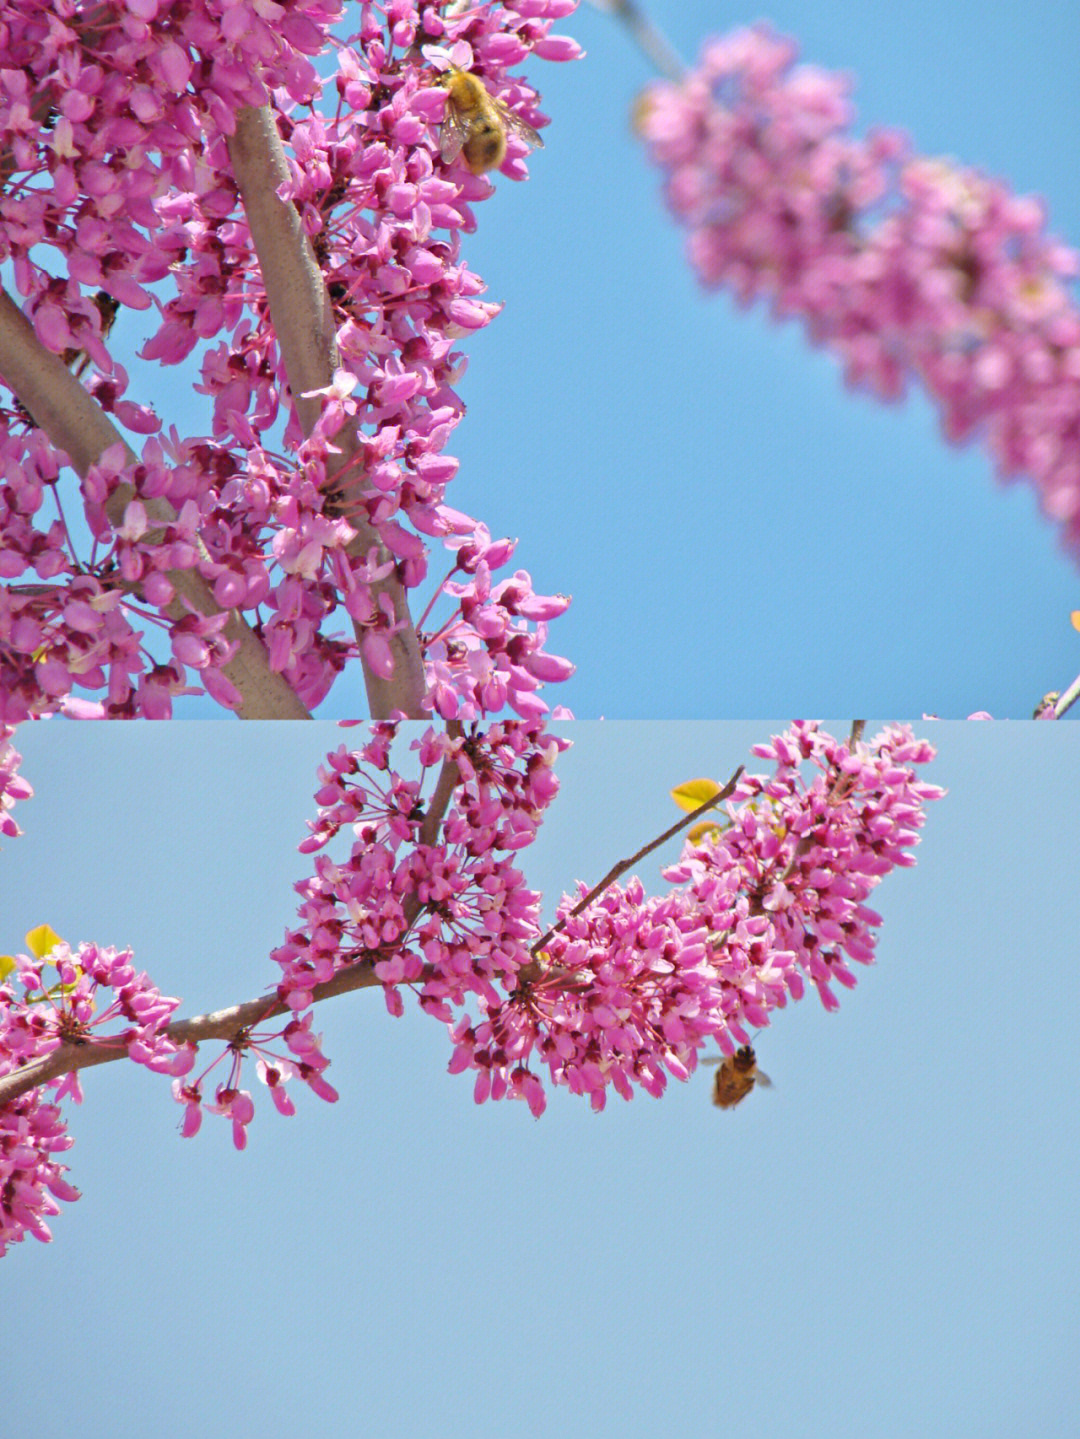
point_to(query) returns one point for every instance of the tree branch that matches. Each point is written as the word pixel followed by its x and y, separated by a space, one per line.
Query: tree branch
pixel 449 779
pixel 624 864
pixel 74 422
pixel 652 44
pixel 302 317
pixel 226 1024
pixel 223 1024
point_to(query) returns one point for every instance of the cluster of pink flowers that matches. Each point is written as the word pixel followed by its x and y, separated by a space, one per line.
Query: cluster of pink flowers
pixel 32 1130
pixel 448 916
pixel 471 917
pixel 114 128
pixel 37 1015
pixel 631 987
pixel 273 1069
pixel 904 266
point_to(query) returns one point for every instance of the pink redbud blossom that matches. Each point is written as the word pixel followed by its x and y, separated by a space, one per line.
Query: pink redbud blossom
pixel 236 1105
pixel 628 990
pixel 31 1181
pixel 12 786
pixel 272 1076
pixel 44 1004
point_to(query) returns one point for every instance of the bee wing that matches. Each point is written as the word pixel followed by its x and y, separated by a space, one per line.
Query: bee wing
pixel 452 135
pixel 518 126
pixel 763 1079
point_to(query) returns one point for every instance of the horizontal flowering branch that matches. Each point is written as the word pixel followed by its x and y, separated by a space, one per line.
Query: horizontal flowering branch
pixel 230 1024
pixel 621 991
pixel 67 1055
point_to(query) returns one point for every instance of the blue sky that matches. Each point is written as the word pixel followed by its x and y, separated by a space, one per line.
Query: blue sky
pixel 739 533
pixel 882 1245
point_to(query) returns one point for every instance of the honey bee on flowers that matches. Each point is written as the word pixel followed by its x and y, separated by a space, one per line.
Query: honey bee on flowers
pixel 736 1077
pixel 77 360
pixel 477 124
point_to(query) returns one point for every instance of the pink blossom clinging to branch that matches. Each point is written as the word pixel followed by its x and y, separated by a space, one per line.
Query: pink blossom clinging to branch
pixel 13 787
pixel 37 1016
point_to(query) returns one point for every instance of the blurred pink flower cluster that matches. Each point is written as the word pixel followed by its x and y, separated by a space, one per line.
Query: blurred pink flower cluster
pixel 114 127
pixel 904 266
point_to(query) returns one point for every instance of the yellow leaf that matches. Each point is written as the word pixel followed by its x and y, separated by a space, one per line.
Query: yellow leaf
pixel 42 941
pixel 1075 618
pixel 7 964
pixel 695 792
pixel 697 832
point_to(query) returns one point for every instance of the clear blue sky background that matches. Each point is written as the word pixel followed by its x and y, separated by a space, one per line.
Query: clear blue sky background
pixel 740 534
pixel 883 1245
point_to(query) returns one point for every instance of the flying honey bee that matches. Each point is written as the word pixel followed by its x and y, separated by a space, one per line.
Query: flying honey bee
pixel 477 124
pixel 736 1077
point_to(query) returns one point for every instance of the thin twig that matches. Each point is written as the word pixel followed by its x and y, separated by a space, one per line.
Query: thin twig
pixel 1065 701
pixel 649 39
pixel 449 779
pixel 625 864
